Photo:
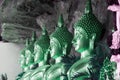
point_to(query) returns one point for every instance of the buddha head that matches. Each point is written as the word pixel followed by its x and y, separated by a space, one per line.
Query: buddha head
pixel 29 51
pixel 22 55
pixel 87 30
pixel 60 40
pixel 41 46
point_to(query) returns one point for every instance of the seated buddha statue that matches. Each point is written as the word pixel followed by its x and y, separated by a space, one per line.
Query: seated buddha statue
pixel 23 61
pixel 22 57
pixel 87 42
pixel 41 51
pixel 60 46
pixel 29 58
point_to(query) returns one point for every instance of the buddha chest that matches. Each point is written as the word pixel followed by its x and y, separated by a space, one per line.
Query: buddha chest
pixel 57 72
pixel 38 74
pixel 80 70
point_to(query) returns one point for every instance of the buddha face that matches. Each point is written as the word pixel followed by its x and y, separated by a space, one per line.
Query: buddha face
pixel 29 57
pixel 80 40
pixel 22 60
pixel 56 49
pixel 39 56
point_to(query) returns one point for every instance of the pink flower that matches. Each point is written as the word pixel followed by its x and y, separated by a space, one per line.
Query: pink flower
pixel 116 8
pixel 116 40
pixel 115 58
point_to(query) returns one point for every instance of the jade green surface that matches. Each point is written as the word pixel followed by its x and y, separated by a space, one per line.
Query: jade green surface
pixel 60 46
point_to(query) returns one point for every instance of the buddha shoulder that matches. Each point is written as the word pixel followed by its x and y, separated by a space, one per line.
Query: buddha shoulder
pixel 81 66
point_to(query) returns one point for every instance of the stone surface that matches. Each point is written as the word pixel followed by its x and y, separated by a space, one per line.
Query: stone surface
pixel 32 14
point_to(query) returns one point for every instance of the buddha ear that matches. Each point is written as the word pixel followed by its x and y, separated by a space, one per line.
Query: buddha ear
pixel 93 36
pixel 65 48
pixel 92 41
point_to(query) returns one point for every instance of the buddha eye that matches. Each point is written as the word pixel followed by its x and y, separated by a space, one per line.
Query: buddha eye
pixel 49 48
pixel 75 35
pixel 80 36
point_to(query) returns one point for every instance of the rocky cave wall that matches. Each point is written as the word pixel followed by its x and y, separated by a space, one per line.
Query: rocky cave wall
pixel 20 17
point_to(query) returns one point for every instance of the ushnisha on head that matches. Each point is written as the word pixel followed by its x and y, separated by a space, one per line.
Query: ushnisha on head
pixel 87 30
pixel 41 46
pixel 60 40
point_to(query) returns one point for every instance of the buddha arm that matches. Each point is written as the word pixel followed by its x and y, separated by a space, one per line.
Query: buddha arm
pixel 54 73
pixel 64 70
pixel 29 60
pixel 47 57
pixel 79 67
pixel 39 72
pixel 22 61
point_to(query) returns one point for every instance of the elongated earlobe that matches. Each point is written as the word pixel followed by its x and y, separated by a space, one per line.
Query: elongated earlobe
pixel 65 49
pixel 93 36
pixel 92 41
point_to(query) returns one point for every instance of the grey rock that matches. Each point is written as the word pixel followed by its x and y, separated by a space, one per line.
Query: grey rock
pixel 32 14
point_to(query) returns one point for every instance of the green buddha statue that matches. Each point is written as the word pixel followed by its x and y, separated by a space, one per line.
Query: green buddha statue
pixel 60 46
pixel 41 51
pixel 87 34
pixel 29 54
pixel 23 61
pixel 22 56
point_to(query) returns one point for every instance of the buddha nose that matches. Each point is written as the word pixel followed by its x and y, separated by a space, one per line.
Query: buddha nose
pixel 73 41
pixel 34 53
